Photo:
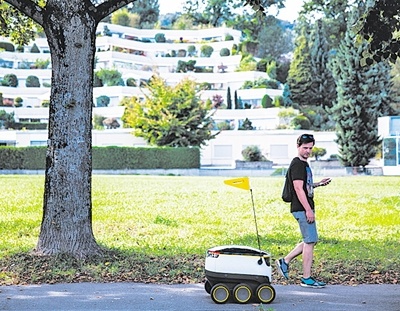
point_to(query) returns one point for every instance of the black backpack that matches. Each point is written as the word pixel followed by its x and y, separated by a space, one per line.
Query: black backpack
pixel 287 192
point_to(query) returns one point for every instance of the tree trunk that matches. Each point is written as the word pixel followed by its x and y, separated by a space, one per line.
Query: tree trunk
pixel 67 210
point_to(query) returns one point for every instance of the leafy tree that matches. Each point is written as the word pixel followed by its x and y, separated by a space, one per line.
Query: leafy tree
pixel 318 152
pixel 70 28
pixel 6 119
pixel 246 125
pixel 380 25
pixel 121 17
pixel 170 116
pixel 364 94
pixel 148 10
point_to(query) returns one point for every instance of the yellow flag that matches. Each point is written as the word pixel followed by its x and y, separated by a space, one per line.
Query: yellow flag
pixel 242 183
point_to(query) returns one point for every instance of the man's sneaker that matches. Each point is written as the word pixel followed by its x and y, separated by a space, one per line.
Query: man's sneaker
pixel 311 282
pixel 283 268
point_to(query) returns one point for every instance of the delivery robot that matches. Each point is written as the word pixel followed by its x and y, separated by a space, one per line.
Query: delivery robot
pixel 238 273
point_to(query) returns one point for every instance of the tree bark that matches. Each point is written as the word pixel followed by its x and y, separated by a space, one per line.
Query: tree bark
pixel 67 211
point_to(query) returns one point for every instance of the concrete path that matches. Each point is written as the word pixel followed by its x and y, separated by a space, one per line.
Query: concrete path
pixel 153 297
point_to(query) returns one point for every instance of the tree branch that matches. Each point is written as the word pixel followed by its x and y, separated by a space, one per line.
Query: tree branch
pixel 106 8
pixel 29 8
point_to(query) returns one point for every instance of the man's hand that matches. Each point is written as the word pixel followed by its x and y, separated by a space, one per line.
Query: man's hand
pixel 324 181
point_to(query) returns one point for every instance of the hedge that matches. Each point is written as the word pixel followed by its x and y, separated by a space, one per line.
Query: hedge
pixel 106 158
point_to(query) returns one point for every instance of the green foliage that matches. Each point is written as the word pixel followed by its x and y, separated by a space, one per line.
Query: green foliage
pixel 109 77
pixel 185 66
pixel 102 101
pixel 34 48
pixel 98 122
pixel 10 80
pixel 318 152
pixel 300 77
pixel 42 63
pixel 224 52
pixel 45 103
pixel 121 17
pixel 301 122
pixel 228 98
pixel 266 101
pixel 160 38
pixel 32 81
pixel 228 37
pixel 148 10
pixel 6 46
pixel 170 116
pixel 246 125
pixel 107 158
pixel 131 82
pixel 18 102
pixel 191 50
pixel 206 50
pixel 253 154
pixel 359 105
pixel 247 63
pixel 6 119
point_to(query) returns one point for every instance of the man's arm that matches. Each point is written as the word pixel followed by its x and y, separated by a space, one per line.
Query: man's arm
pixel 301 195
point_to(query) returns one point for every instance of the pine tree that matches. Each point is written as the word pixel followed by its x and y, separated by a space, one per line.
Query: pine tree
pixel 323 87
pixel 364 94
pixel 300 72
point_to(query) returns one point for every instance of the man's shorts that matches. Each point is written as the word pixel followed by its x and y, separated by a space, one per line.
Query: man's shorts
pixel 308 230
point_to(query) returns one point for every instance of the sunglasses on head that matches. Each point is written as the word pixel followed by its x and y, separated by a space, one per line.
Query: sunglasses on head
pixel 307 136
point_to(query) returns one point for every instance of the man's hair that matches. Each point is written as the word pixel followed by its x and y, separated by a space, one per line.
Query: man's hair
pixel 305 139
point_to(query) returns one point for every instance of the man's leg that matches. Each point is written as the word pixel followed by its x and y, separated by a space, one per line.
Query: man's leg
pixel 308 254
pixel 294 253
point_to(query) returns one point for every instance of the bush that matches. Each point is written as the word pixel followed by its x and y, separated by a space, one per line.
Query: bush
pixel 107 158
pixel 206 50
pixel 8 47
pixel 131 82
pixel 160 38
pixel 35 49
pixel 102 101
pixel 45 103
pixel 18 102
pixel 32 81
pixel 10 80
pixel 191 50
pixel 224 52
pixel 253 154
pixel 301 122
pixel 228 37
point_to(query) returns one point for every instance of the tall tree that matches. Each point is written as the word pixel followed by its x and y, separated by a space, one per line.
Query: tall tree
pixel 323 87
pixel 70 28
pixel 364 94
pixel 300 73
pixel 170 116
pixel 148 10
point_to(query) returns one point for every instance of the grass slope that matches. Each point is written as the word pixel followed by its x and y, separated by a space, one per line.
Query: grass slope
pixel 158 228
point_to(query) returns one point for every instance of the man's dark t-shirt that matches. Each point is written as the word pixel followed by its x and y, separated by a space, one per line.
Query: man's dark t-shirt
pixel 300 170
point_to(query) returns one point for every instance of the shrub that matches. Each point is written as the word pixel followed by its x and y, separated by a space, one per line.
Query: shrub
pixel 8 47
pixel 191 50
pixel 18 102
pixel 224 52
pixel 102 101
pixel 228 37
pixel 32 81
pixel 131 82
pixel 10 80
pixel 253 154
pixel 160 38
pixel 45 103
pixel 301 122
pixel 35 49
pixel 206 50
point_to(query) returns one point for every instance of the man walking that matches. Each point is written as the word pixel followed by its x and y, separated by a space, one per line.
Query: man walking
pixel 302 208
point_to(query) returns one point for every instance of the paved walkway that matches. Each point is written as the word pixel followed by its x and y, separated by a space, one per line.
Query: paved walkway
pixel 153 297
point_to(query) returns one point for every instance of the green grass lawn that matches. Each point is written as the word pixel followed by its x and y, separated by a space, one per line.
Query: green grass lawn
pixel 159 228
